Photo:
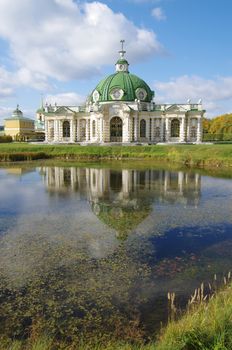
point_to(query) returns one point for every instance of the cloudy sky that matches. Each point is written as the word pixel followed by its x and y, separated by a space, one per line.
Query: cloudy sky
pixel 62 48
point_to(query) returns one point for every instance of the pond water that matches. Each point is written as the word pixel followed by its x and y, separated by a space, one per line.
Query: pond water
pixel 94 250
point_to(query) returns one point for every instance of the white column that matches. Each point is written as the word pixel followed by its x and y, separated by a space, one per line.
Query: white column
pixel 100 123
pixel 153 123
pixel 75 130
pixel 188 129
pixel 129 129
pixel 136 129
pixel 91 130
pixel 55 130
pixel 126 129
pixel 167 136
pixel 162 129
pixel 86 130
pixel 46 130
pixel 182 130
pixel 50 122
pixel 78 130
pixel 58 131
pixel 147 128
pixel 71 130
pixel 61 130
pixel 199 129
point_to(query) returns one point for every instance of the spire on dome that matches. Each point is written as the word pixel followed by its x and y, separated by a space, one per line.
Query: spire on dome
pixel 122 52
pixel 42 102
pixel 122 64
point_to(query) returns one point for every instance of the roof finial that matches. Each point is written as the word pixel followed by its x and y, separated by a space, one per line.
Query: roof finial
pixel 122 52
pixel 42 102
pixel 17 107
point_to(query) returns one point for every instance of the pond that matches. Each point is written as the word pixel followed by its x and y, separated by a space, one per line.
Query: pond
pixel 94 250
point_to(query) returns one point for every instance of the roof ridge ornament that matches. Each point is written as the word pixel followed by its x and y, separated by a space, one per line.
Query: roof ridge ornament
pixel 122 51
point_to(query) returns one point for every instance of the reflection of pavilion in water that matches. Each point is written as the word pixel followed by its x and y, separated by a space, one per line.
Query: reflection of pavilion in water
pixel 123 198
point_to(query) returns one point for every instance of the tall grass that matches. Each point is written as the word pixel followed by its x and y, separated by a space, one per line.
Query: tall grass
pixel 188 155
pixel 206 325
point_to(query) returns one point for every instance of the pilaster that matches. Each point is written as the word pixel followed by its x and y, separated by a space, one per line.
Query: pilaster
pixel 46 130
pixel 199 130
pixel 188 129
pixel 167 131
pixel 78 136
pixel 182 129
pixel 136 128
pixel 162 129
pixel 87 130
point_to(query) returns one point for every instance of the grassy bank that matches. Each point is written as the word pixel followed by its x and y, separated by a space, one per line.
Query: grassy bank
pixel 189 155
pixel 207 325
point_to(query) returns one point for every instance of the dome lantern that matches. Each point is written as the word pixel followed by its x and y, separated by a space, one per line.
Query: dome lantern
pixel 122 65
pixel 17 113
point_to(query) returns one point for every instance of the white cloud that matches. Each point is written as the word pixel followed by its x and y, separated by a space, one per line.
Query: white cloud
pixel 146 1
pixel 158 14
pixel 6 89
pixel 65 99
pixel 215 93
pixel 5 112
pixel 63 40
pixel 9 81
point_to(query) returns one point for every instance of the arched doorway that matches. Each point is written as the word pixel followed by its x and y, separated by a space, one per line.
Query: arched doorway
pixel 66 129
pixel 143 128
pixel 175 128
pixel 116 129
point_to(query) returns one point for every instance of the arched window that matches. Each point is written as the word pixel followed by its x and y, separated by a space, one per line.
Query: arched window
pixel 66 129
pixel 193 132
pixel 116 126
pixel 157 132
pixel 175 128
pixel 94 128
pixel 142 128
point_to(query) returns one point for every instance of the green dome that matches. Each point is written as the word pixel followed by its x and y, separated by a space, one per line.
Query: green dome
pixel 17 113
pixel 122 86
pixel 40 110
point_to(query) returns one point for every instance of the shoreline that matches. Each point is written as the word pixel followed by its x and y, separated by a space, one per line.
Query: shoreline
pixel 189 156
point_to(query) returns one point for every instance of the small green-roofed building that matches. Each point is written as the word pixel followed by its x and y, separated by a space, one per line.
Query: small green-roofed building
pixel 19 127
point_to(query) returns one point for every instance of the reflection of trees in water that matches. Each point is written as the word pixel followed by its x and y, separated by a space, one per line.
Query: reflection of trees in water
pixel 122 219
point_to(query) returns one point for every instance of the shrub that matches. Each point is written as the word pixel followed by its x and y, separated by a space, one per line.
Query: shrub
pixel 5 139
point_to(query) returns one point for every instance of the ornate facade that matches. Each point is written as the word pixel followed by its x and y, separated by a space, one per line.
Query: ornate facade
pixel 122 109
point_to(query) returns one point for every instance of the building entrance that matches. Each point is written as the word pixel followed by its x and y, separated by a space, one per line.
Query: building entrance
pixel 116 129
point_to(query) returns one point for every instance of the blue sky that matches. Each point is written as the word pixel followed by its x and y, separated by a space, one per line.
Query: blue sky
pixel 62 48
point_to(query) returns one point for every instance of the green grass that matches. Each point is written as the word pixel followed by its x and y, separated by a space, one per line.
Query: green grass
pixel 188 155
pixel 205 326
